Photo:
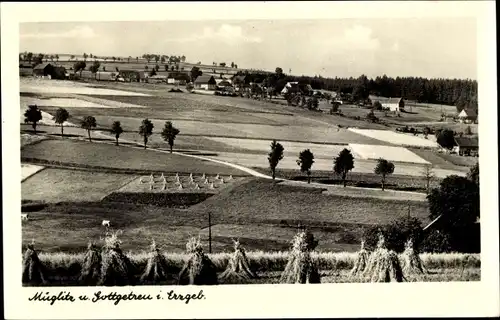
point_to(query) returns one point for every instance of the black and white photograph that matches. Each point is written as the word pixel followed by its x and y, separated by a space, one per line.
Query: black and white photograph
pixel 250 151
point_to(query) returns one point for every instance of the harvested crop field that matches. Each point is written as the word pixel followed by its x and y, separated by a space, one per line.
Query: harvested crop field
pixel 66 103
pixel 208 184
pixel 27 170
pixel 56 185
pixel 374 152
pixel 395 138
pixel 104 155
pixel 60 86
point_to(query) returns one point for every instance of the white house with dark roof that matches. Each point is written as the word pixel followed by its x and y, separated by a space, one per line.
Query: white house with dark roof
pixel 393 104
pixel 467 116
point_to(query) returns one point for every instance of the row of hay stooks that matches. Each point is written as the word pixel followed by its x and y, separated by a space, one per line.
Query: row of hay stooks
pixel 111 267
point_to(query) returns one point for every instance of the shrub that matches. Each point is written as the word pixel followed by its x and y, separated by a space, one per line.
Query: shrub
pixel 395 234
pixel 377 106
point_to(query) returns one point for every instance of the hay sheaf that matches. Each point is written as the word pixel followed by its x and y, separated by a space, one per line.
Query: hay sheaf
pixel 361 261
pixel 116 269
pixel 33 269
pixel 412 265
pixel 238 269
pixel 383 265
pixel 157 270
pixel 91 266
pixel 300 267
pixel 198 269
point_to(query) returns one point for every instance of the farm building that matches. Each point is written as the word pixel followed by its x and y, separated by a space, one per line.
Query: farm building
pixel 289 87
pixel 25 69
pixel 49 70
pixel 467 116
pixel 157 79
pixel 295 86
pixel 130 75
pixel 205 82
pixel 240 82
pixel 393 104
pixel 223 83
pixel 178 78
pixel 468 146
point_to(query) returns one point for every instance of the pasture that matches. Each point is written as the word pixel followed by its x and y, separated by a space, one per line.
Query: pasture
pixel 104 155
pixel 245 206
pixel 374 152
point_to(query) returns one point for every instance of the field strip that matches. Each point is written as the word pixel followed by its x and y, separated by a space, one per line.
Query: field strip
pixel 395 138
pixel 374 152
pixel 28 170
pixel 357 192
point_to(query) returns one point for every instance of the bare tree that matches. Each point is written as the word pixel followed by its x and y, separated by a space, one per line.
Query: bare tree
pixel 428 174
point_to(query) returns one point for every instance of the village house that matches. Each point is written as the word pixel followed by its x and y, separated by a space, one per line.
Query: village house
pixel 49 70
pixel 467 116
pixel 466 146
pixel 240 82
pixel 392 104
pixel 25 69
pixel 223 83
pixel 178 78
pixel 205 82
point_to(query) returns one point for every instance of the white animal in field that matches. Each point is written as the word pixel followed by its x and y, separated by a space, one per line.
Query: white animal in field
pixel 105 223
pixel 24 217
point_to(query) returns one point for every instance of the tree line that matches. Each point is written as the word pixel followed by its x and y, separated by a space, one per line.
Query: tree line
pixel 459 92
pixel 33 115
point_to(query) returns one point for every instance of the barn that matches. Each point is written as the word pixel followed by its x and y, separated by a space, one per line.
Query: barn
pixel 467 116
pixel 392 104
pixel 206 82
pixel 25 69
pixel 49 70
pixel 466 146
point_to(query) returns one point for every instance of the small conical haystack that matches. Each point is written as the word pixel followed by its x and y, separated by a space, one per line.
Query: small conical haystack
pixel 203 176
pixel 156 270
pixel 300 267
pixel 411 262
pixel 180 186
pixel 238 269
pixel 197 187
pixel 198 269
pixel 230 177
pixel 361 261
pixel 206 181
pixel 116 268
pixel 91 266
pixel 212 186
pixel 383 265
pixel 217 177
pixel 33 269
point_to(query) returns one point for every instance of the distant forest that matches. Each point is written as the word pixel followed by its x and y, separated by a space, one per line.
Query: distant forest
pixel 455 92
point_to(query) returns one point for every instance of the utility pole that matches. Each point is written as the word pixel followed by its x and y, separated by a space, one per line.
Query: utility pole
pixel 209 232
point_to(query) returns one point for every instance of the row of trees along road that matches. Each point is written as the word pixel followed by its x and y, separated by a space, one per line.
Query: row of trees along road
pixel 343 163
pixel 459 92
pixel 33 115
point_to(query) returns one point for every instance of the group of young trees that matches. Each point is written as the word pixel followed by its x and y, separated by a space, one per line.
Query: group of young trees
pixel 37 58
pixel 33 115
pixel 343 163
pixel 163 58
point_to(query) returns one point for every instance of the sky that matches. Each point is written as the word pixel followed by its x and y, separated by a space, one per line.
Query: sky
pixel 419 47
